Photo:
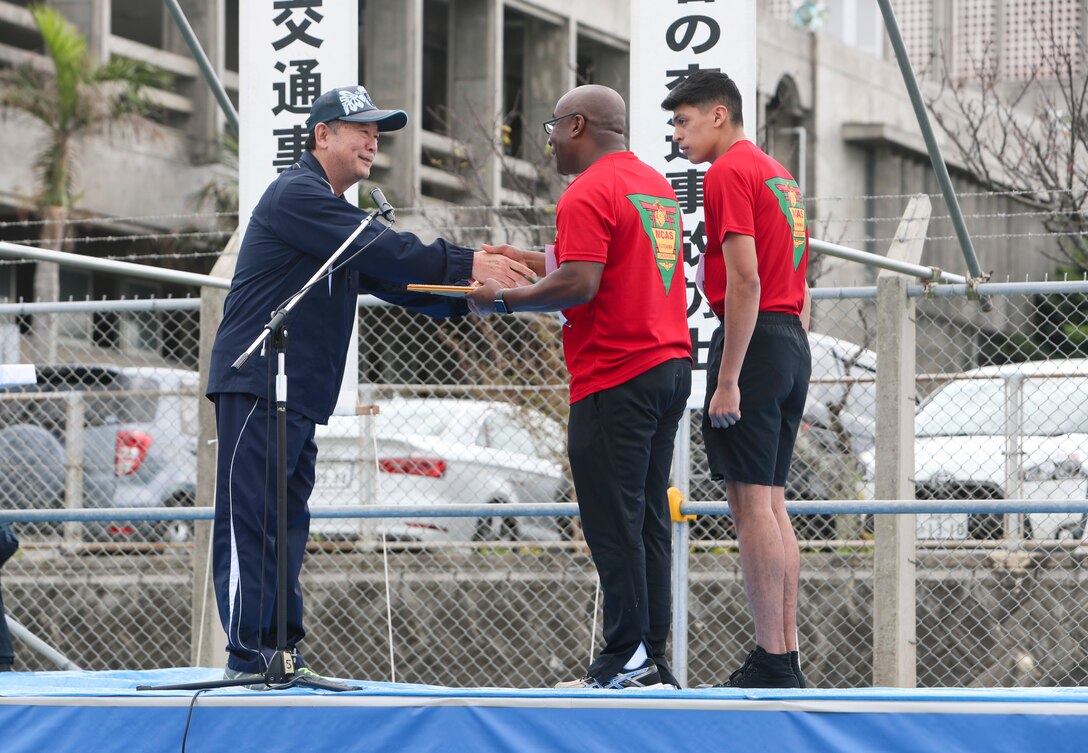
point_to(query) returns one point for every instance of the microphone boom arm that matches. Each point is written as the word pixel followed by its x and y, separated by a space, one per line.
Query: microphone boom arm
pixel 281 313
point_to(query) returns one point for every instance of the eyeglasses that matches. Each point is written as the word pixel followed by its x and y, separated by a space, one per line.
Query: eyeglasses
pixel 549 125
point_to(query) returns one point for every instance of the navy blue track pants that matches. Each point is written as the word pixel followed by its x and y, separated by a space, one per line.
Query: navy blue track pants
pixel 244 533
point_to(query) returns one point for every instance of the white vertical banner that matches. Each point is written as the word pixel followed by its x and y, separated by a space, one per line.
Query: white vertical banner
pixel 290 51
pixel 669 40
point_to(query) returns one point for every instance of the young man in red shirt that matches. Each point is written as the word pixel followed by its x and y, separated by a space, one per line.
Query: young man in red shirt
pixel 757 377
pixel 620 285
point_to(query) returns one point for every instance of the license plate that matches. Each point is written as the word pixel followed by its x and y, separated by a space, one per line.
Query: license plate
pixel 942 526
pixel 335 475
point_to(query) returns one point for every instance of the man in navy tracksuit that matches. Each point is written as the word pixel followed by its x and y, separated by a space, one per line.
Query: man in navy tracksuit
pixel 301 219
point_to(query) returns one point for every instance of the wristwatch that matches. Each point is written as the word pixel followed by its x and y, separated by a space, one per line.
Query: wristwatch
pixel 500 303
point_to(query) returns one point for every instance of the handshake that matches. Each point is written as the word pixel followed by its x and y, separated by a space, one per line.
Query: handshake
pixel 498 267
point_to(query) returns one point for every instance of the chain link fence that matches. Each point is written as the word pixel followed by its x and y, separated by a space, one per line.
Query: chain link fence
pixel 475 412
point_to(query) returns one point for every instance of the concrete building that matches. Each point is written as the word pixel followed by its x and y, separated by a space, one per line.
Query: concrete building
pixel 468 70
pixel 478 76
pixel 862 151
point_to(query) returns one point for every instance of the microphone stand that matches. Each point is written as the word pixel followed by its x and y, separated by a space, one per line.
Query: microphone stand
pixel 281 673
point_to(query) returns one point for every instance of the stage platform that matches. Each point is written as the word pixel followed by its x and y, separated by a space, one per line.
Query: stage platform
pixel 102 712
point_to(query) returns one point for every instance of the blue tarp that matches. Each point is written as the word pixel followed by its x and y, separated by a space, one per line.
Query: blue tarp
pixel 102 711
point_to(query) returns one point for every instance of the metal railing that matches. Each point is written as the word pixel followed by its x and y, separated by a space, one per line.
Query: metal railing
pixel 977 560
pixel 989 605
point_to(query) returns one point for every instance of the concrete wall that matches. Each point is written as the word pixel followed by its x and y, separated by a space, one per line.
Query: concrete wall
pixel 474 618
pixel 133 170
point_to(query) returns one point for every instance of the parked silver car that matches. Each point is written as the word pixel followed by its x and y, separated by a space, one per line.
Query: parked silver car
pixel 1036 412
pixel 439 452
pixel 136 443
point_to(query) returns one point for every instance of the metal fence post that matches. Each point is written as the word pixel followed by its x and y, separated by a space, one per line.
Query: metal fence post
pixel 209 642
pixel 680 601
pixel 1014 457
pixel 680 546
pixel 73 467
pixel 894 646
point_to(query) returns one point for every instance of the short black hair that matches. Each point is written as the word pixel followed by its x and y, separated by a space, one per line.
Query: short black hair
pixel 703 88
pixel 311 139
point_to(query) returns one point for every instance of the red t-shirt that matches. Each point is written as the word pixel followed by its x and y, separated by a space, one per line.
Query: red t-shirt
pixel 745 191
pixel 624 214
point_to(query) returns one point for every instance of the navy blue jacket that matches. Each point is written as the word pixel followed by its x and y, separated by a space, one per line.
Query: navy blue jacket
pixel 295 227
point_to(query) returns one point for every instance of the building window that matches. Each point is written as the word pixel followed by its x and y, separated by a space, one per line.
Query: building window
pixel 916 25
pixel 513 81
pixel 137 20
pixel 1038 38
pixel 361 68
pixel 7 281
pixel 140 330
pixel 601 63
pixel 435 66
pixel 75 285
pixel 230 30
pixel 785 137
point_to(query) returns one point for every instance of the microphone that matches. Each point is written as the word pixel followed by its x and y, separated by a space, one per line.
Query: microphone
pixel 385 209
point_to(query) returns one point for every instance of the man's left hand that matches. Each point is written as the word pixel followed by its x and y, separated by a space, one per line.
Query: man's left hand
pixel 481 301
pixel 508 272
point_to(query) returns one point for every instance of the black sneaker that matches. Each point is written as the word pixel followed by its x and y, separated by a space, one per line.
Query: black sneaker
pixel 795 664
pixel 643 677
pixel 763 670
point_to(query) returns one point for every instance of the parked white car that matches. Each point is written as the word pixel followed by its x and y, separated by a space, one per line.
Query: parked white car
pixel 843 379
pixel 966 430
pixel 439 452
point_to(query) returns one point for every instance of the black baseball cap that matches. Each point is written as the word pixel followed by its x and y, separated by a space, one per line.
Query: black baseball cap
pixel 353 103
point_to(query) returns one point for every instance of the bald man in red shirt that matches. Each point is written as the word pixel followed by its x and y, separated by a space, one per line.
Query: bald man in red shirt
pixel 620 285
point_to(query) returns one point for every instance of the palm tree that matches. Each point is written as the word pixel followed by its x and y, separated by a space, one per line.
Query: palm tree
pixel 80 97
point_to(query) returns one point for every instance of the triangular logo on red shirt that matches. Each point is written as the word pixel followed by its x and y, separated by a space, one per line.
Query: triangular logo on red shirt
pixel 661 221
pixel 792 203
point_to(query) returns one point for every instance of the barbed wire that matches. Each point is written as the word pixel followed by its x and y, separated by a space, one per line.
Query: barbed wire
pixel 489 228
pixel 134 257
pixel 1018 192
pixel 132 218
pixel 991 236
pixel 425 211
pixel 992 216
pixel 483 208
pixel 468 228
pixel 410 227
pixel 119 238
pixel 145 218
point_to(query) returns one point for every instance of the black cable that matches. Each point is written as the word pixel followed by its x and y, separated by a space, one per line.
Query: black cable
pixel 189 718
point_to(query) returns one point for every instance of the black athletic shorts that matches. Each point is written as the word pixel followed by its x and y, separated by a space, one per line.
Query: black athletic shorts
pixel 773 386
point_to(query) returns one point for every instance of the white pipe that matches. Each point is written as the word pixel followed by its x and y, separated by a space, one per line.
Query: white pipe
pixel 79 261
